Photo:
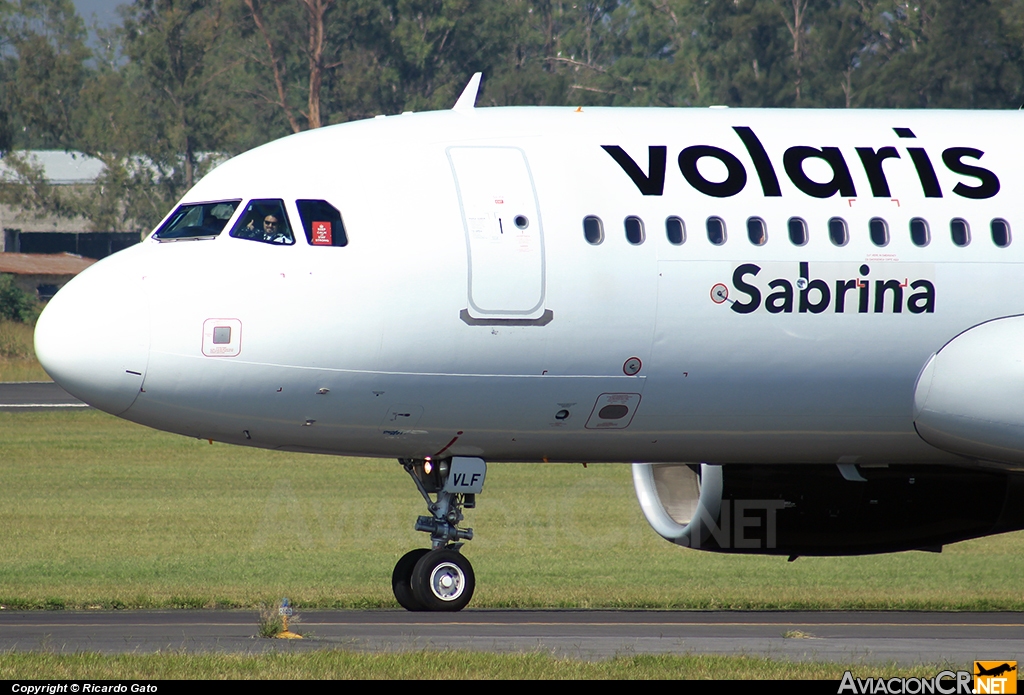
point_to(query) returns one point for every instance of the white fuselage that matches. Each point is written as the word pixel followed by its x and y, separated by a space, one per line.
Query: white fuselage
pixel 431 333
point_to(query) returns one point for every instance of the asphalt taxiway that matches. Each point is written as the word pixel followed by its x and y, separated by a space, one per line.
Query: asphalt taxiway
pixel 950 639
pixel 36 395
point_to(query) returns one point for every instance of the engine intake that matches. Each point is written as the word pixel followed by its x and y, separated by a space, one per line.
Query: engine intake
pixel 967 398
pixel 802 509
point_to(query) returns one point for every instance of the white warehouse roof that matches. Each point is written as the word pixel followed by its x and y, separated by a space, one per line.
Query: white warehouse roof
pixel 60 167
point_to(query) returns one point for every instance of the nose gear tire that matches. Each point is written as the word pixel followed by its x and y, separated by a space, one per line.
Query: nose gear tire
pixel 443 580
pixel 401 580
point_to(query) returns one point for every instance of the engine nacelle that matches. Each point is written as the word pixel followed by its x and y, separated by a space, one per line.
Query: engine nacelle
pixel 802 509
pixel 968 397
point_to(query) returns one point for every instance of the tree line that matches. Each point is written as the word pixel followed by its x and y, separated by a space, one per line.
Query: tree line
pixel 178 83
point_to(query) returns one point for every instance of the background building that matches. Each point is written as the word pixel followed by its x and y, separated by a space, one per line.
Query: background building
pixel 41 275
pixel 28 233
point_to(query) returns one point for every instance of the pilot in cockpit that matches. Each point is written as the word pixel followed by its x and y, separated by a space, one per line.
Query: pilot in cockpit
pixel 272 231
pixel 264 220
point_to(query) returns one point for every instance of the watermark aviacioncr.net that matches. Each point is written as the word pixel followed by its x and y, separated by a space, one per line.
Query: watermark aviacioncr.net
pixel 989 677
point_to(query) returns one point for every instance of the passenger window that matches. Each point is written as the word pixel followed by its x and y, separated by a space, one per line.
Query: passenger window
pixel 199 221
pixel 322 223
pixel 797 231
pixel 675 230
pixel 757 231
pixel 716 231
pixel 1000 233
pixel 266 221
pixel 593 230
pixel 919 232
pixel 838 231
pixel 960 232
pixel 878 230
pixel 634 230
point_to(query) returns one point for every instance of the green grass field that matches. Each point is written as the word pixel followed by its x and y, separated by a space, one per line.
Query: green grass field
pixel 447 666
pixel 98 512
pixel 17 355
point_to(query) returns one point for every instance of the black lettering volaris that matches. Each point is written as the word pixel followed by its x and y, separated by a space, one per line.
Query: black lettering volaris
pixel 652 181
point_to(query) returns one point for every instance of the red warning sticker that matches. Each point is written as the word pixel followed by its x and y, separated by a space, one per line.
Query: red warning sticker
pixel 322 234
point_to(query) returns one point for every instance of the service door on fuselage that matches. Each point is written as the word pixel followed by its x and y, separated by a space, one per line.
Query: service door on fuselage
pixel 504 234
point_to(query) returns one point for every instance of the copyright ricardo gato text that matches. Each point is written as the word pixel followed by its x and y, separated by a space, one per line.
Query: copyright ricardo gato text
pixel 54 688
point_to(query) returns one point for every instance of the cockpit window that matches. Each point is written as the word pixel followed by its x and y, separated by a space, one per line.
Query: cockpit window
pixel 197 221
pixel 322 223
pixel 266 221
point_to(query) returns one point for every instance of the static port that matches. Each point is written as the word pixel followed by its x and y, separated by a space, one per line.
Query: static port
pixel 562 414
pixel 522 222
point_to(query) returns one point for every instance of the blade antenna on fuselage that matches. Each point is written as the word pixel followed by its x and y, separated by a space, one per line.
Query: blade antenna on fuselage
pixel 467 100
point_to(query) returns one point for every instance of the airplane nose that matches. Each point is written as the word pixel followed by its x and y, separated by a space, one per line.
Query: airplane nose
pixel 93 336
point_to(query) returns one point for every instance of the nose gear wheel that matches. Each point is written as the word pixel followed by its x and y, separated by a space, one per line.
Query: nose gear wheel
pixel 437 579
pixel 443 580
pixel 401 580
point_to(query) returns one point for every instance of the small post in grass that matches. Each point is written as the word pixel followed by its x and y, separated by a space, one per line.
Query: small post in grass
pixel 285 611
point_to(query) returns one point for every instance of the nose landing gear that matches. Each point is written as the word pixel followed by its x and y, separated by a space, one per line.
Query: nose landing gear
pixel 401 580
pixel 440 578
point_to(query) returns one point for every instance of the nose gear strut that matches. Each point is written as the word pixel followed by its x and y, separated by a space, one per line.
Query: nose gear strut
pixel 445 508
pixel 440 579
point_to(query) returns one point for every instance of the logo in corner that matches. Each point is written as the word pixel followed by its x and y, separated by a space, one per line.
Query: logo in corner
pixel 995 677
